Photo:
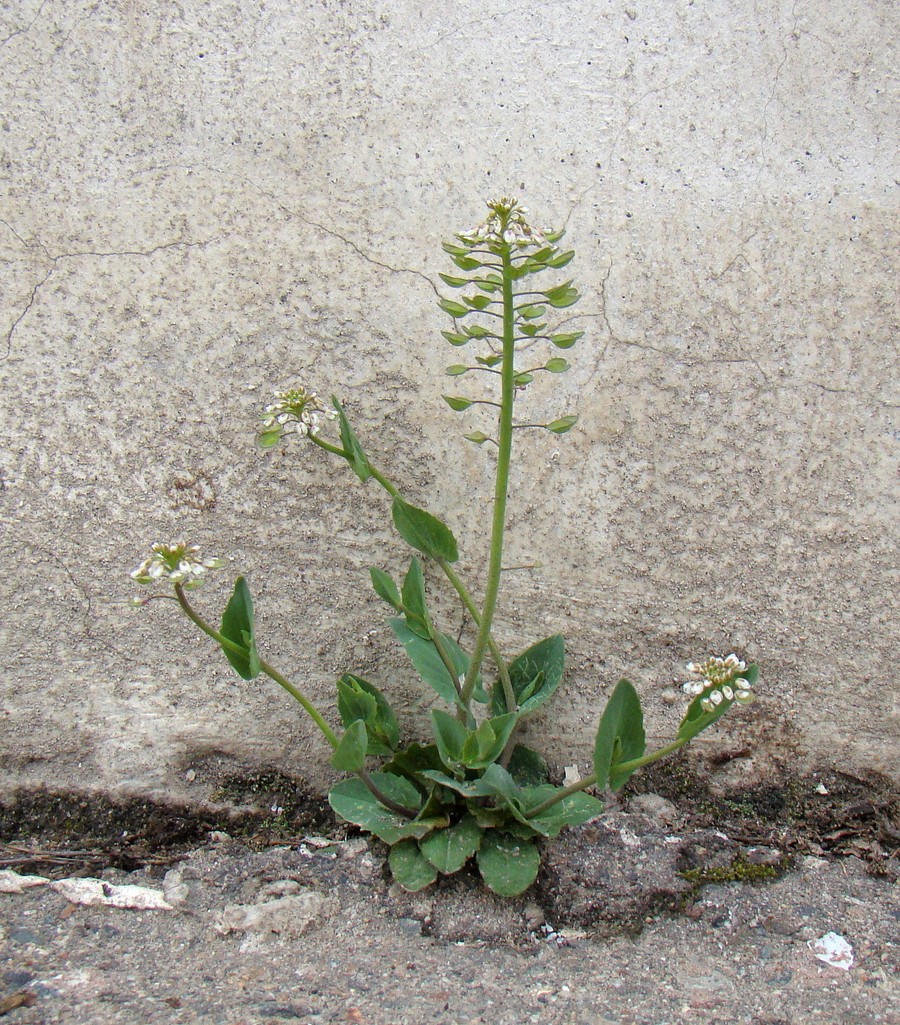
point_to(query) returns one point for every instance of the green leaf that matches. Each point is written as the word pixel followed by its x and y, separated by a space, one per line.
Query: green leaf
pixel 455 250
pixel 529 330
pixel 353 802
pixel 457 403
pixel 385 587
pixel 455 309
pixel 414 601
pixel 238 627
pixel 450 735
pixel 557 365
pixel 531 312
pixel 547 657
pixel 565 340
pixel 477 302
pixel 409 866
pixel 508 865
pixel 570 811
pixel 412 760
pixel 620 736
pixel 359 699
pixel 472 788
pixel 479 331
pixel 453 282
pixel 486 744
pixel 560 261
pixel 527 767
pixel 523 379
pixel 457 370
pixel 477 436
pixel 449 849
pixel 456 339
pixel 350 754
pixel 562 296
pixel 696 719
pixel 426 533
pixel 355 455
pixel 428 663
pixel 563 425
pixel 466 263
pixel 268 438
pixel 489 361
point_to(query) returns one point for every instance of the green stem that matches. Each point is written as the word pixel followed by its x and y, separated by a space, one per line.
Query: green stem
pixel 389 803
pixel 269 670
pixel 502 670
pixel 589 781
pixel 450 574
pixel 501 488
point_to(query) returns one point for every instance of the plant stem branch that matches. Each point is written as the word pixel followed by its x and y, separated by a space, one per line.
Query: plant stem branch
pixel 501 488
pixel 264 666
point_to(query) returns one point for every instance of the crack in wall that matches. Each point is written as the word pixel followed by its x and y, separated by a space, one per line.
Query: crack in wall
pixel 54 260
pixel 332 232
pixel 26 29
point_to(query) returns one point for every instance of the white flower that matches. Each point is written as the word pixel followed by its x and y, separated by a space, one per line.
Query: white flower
pixel 717 680
pixel 506 225
pixel 178 563
pixel 296 411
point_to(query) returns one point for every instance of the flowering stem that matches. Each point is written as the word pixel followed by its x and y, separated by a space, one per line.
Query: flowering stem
pixel 501 488
pixel 500 662
pixel 453 578
pixel 589 781
pixel 269 670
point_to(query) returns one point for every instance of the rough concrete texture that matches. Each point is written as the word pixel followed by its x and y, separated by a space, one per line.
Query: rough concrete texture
pixel 357 952
pixel 203 201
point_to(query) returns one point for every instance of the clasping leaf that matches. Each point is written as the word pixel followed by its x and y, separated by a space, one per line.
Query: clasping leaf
pixel 238 627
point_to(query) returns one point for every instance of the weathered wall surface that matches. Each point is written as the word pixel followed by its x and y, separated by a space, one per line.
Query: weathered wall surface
pixel 202 202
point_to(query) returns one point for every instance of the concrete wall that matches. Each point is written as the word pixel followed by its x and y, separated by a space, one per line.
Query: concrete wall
pixel 202 202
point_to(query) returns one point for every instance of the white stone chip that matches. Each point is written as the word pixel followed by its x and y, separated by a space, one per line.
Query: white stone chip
pixel 834 950
pixel 12 882
pixel 96 891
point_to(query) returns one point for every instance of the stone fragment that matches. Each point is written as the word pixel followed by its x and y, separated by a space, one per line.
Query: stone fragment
pixel 286 917
pixel 96 891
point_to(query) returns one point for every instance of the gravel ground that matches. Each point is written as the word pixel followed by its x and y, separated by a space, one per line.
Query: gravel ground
pixel 315 934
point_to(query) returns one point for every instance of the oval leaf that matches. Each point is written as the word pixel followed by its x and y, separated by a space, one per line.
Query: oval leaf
pixel 353 801
pixel 238 627
pixel 507 865
pixel 620 736
pixel 457 403
pixel 426 533
pixel 566 340
pixel 350 754
pixel 449 849
pixel 409 866
pixel 563 425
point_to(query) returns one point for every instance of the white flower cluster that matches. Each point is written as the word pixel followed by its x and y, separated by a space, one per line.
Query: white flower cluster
pixel 296 410
pixel 177 563
pixel 506 223
pixel 720 678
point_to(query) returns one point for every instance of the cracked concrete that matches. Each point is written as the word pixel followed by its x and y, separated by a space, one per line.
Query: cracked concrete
pixel 201 204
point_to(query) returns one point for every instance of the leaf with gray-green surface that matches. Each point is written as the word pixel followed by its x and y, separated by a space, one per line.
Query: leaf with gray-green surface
pixel 620 736
pixel 238 626
pixel 409 866
pixel 424 531
pixel 353 801
pixel 449 849
pixel 508 865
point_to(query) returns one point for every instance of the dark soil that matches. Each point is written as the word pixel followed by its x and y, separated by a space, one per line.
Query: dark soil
pixel 826 814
